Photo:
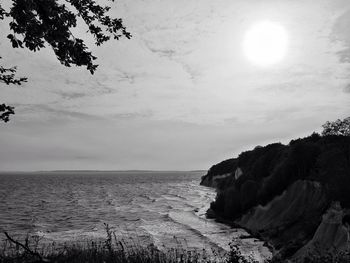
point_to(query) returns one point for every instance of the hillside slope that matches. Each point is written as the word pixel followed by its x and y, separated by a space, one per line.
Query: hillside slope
pixel 283 193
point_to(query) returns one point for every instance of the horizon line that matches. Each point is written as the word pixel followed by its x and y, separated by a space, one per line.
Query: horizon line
pixel 91 170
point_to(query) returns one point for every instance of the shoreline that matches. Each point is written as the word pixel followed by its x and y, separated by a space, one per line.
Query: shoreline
pixel 232 224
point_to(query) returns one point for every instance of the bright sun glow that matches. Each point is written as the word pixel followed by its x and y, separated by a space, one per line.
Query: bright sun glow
pixel 265 43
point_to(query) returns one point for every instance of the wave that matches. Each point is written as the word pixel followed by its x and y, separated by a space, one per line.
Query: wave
pixel 217 234
pixel 149 208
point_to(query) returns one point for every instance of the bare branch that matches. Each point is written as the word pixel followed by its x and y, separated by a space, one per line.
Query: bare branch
pixel 26 248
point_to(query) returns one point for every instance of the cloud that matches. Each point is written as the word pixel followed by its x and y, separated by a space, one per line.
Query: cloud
pixel 340 33
pixel 70 95
pixel 166 52
pixel 347 89
pixel 132 115
pixel 38 111
pixel 180 89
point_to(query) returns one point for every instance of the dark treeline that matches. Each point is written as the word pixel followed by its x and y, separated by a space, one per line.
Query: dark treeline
pixel 281 192
pixel 269 170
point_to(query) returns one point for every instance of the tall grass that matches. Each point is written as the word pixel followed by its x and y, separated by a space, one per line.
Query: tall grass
pixel 111 249
pixel 129 250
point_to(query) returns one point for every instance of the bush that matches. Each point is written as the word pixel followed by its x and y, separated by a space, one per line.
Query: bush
pixel 338 127
pixel 112 249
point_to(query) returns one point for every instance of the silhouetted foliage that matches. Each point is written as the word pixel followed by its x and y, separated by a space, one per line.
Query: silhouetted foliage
pixel 113 249
pixel 225 167
pixel 7 76
pixel 297 163
pixel 338 127
pixel 235 255
pixel 34 24
pixel 5 112
pixel 119 250
pixel 332 168
pixel 248 192
pixel 269 170
pixel 232 203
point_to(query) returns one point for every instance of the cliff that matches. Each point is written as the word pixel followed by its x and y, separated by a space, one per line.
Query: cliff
pixel 285 194
pixel 218 172
pixel 330 234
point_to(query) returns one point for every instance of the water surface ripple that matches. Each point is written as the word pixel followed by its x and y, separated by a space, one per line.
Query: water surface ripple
pixel 153 207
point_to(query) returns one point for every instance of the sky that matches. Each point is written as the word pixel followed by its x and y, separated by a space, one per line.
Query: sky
pixel 181 94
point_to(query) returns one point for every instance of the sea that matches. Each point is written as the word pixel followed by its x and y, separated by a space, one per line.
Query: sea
pixel 166 209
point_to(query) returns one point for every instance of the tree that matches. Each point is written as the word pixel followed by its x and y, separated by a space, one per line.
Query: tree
pixel 338 127
pixel 7 76
pixel 5 112
pixel 37 23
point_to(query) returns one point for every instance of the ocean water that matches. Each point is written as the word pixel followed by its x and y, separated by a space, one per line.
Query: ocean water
pixel 163 208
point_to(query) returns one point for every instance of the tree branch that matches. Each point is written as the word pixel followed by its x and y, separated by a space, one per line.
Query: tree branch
pixel 26 248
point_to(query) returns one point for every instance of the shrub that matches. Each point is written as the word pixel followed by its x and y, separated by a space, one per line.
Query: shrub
pixel 338 127
pixel 112 249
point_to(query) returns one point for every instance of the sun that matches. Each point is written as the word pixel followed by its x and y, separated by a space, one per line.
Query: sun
pixel 265 43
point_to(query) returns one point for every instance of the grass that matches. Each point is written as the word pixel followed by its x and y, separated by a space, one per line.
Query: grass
pixel 111 249
pixel 116 250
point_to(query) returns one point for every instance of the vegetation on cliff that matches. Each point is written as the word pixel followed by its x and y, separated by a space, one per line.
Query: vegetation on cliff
pixel 269 172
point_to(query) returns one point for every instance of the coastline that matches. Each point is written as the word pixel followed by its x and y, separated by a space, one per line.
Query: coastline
pixel 252 236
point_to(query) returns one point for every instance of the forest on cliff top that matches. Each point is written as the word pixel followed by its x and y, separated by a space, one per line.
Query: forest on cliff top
pixel 268 171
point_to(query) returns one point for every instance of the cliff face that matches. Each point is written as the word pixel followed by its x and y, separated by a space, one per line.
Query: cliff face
pixel 289 220
pixel 282 192
pixel 331 232
pixel 219 173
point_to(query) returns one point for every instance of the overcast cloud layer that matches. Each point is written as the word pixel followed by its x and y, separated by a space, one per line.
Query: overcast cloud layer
pixel 180 94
